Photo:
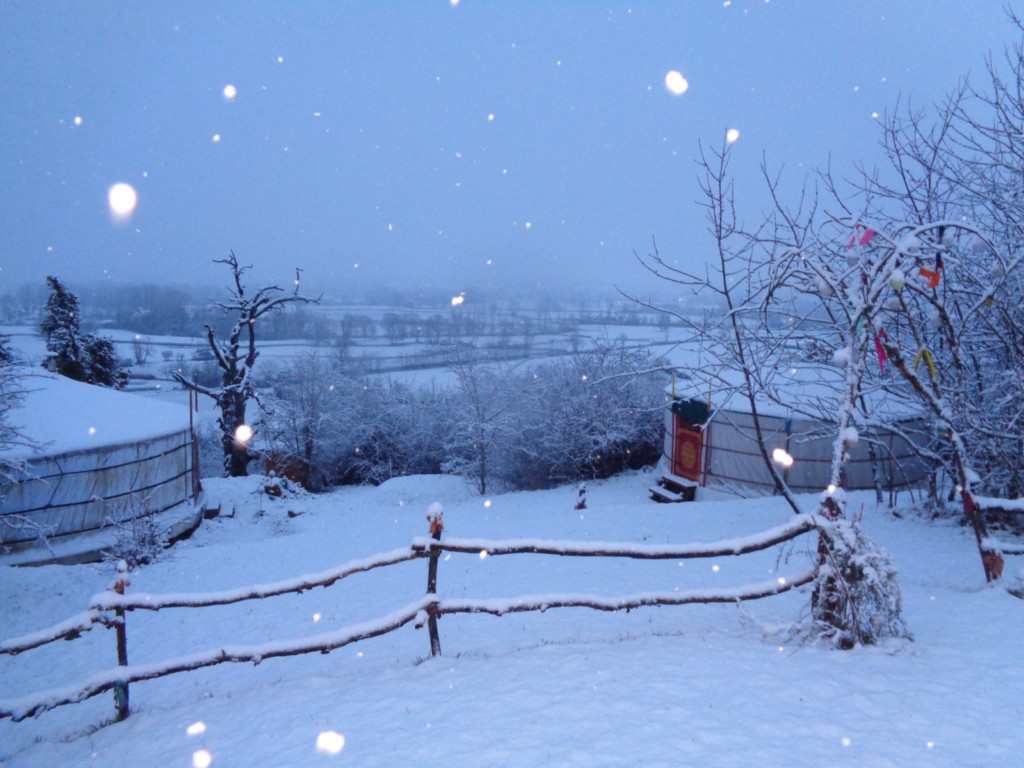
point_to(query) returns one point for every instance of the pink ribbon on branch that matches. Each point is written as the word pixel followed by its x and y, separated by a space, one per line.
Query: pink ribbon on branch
pixel 861 236
pixel 882 357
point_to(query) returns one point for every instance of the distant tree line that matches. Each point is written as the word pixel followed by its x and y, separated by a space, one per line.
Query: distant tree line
pixel 167 310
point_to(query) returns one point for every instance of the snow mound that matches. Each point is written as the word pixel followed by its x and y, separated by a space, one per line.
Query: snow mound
pixel 423 490
pixel 241 493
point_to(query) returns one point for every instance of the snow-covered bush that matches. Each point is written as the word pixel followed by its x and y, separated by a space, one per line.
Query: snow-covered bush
pixel 587 416
pixel 856 598
pixel 11 395
pixel 8 354
pixel 137 541
pixel 340 429
pixel 487 414
pixel 211 457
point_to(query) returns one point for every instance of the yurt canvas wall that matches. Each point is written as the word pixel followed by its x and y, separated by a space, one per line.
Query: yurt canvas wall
pixel 727 452
pixel 104 457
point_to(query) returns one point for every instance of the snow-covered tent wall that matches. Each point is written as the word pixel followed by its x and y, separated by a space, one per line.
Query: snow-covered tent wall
pixel 724 450
pixel 105 457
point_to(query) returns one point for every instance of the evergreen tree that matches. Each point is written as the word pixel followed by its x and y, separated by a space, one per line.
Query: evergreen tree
pixel 101 364
pixel 60 325
pixel 76 355
pixel 7 353
pixel 61 309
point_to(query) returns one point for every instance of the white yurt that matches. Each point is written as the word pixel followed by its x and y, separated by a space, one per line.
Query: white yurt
pixel 709 444
pixel 99 459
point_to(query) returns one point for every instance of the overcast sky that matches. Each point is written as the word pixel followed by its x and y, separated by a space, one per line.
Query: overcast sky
pixel 428 142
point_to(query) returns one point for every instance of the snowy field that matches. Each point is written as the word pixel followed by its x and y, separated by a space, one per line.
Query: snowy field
pixel 715 685
pixel 165 354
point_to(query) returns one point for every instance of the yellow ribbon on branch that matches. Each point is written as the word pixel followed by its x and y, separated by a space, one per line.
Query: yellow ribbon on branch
pixel 925 355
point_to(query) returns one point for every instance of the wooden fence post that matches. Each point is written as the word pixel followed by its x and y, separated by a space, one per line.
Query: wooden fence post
pixel 581 501
pixel 121 687
pixel 434 515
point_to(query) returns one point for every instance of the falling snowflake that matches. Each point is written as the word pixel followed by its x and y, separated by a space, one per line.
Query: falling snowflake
pixel 676 83
pixel 123 200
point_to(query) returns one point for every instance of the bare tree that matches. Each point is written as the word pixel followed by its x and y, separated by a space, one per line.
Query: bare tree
pixel 142 348
pixel 917 264
pixel 948 215
pixel 300 417
pixel 483 416
pixel 236 356
pixel 13 439
pixel 740 351
pixel 761 277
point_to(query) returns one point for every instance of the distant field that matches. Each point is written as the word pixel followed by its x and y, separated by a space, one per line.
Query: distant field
pixel 153 358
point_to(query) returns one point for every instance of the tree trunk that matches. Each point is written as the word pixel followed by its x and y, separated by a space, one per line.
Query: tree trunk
pixel 236 452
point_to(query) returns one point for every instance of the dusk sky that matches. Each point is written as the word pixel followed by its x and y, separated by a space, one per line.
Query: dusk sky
pixel 431 143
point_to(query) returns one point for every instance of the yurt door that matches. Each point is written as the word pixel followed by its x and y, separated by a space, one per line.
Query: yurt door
pixel 687 447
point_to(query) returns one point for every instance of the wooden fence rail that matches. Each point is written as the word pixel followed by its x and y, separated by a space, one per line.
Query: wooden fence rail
pixel 109 609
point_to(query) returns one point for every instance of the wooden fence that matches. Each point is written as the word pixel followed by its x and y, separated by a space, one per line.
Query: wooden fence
pixel 110 609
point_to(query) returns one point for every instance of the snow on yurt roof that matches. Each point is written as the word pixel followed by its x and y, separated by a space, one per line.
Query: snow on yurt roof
pixel 811 383
pixel 63 416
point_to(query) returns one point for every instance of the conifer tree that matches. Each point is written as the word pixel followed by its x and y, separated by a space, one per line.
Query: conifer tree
pixel 76 355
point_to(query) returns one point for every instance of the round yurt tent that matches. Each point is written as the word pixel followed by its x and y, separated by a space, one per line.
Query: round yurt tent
pixel 717 446
pixel 101 458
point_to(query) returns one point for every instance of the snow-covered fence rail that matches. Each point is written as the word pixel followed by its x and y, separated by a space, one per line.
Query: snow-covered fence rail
pixel 525 603
pixel 105 602
pixel 69 629
pixel 111 679
pixel 740 546
pixel 110 608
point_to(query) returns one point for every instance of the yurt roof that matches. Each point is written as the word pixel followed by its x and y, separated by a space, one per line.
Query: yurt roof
pixel 63 416
pixel 806 382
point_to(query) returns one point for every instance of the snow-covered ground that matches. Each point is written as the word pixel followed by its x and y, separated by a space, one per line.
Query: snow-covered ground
pixel 715 685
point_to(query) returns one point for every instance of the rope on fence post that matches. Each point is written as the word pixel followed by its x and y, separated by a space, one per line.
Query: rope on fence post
pixel 121 687
pixel 434 515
